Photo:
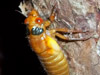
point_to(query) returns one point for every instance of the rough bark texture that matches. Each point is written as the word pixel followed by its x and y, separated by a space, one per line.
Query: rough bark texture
pixel 83 56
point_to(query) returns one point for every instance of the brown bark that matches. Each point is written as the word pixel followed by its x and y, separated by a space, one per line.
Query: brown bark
pixel 83 56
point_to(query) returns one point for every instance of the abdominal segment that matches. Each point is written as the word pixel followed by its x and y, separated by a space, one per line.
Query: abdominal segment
pixel 56 64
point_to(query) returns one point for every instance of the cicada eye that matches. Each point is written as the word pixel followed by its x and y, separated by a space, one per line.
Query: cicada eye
pixel 26 21
pixel 39 20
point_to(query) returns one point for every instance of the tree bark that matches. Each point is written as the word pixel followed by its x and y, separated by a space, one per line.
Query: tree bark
pixel 83 56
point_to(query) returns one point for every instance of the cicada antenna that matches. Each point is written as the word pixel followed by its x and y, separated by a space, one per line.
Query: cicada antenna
pixel 20 13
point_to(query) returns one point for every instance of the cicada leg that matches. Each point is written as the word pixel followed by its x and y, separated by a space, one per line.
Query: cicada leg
pixel 46 23
pixel 54 32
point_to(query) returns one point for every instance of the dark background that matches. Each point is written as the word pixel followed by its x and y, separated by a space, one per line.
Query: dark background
pixel 18 58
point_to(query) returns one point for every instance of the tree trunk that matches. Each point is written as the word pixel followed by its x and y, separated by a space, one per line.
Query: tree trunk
pixel 83 56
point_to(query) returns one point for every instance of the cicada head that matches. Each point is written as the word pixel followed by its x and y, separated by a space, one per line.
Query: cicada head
pixel 34 23
pixel 30 20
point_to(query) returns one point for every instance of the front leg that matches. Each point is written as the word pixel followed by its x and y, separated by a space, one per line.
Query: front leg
pixel 54 32
pixel 70 39
pixel 46 23
pixel 66 30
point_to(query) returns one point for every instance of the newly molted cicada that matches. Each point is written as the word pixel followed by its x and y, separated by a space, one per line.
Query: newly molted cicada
pixel 44 44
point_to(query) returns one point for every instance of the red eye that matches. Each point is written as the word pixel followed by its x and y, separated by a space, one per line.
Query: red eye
pixel 25 21
pixel 39 20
